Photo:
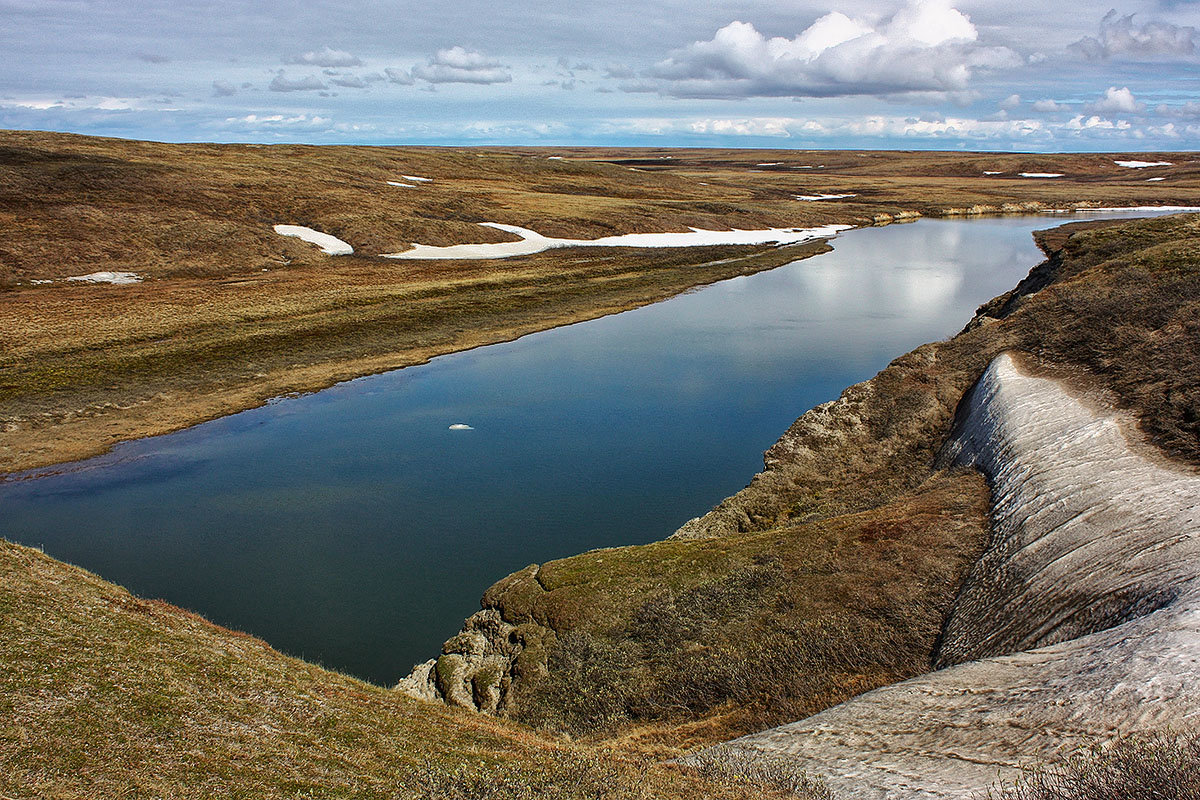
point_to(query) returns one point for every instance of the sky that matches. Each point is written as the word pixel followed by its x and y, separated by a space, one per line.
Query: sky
pixel 1027 75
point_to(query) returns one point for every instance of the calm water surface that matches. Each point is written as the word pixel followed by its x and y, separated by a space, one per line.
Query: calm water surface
pixel 351 527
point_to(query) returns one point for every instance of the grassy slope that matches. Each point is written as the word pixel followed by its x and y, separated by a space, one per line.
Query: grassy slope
pixel 106 695
pixel 210 332
pixel 853 544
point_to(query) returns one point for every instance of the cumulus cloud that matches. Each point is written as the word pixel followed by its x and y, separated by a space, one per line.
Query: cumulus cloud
pixel 400 76
pixel 458 65
pixel 1119 36
pixel 867 127
pixel 1116 101
pixel 926 46
pixel 1010 102
pixel 349 81
pixel 252 122
pixel 223 89
pixel 326 57
pixel 1187 110
pixel 1047 106
pixel 281 83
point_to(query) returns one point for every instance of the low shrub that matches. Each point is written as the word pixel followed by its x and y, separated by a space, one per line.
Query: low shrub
pixel 1136 768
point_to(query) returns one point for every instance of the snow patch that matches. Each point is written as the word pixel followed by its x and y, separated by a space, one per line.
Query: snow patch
pixel 416 178
pixel 533 242
pixel 461 426
pixel 398 183
pixel 822 196
pixel 107 277
pixel 1142 164
pixel 992 172
pixel 328 244
pixel 1041 174
pixel 1152 180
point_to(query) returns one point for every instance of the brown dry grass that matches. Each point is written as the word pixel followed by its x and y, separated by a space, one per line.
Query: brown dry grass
pixel 1136 768
pixel 748 631
pixel 103 694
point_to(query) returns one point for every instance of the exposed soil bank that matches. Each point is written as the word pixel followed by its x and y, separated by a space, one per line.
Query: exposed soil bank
pixel 1085 611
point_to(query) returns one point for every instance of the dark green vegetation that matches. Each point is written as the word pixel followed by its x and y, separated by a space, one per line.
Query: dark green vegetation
pixel 1154 768
pixel 837 564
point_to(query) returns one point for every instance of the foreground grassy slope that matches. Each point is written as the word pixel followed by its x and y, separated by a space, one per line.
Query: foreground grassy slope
pixel 232 314
pixel 831 573
pixel 103 694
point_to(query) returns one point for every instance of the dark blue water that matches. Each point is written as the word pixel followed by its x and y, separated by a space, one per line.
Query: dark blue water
pixel 353 528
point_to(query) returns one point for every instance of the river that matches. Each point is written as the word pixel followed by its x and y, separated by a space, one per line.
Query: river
pixel 355 528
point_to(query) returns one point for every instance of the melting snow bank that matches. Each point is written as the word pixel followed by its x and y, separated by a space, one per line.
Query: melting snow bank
pixel 329 244
pixel 1041 174
pixel 107 277
pixel 533 242
pixel 1093 562
pixel 1142 164
pixel 1107 209
pixel 822 196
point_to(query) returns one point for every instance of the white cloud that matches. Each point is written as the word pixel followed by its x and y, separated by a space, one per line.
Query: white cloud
pixel 1118 36
pixel 1116 101
pixel 269 121
pixel 326 57
pixel 280 83
pixel 1010 102
pixel 349 81
pixel 926 46
pixel 1047 106
pixel 223 89
pixel 400 76
pixel 458 65
pixel 1187 110
pixel 76 103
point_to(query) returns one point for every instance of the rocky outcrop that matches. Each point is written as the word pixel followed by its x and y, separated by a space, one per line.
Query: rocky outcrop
pixel 497 645
pixel 1083 616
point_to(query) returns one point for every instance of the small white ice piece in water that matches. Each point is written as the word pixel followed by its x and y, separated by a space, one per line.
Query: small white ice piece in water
pixel 108 277
pixel 329 244
pixel 461 426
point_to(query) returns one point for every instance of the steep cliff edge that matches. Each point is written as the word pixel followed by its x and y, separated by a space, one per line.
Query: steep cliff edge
pixel 1084 610
pixel 834 571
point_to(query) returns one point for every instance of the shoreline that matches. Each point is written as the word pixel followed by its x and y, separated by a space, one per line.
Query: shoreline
pixel 85 430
